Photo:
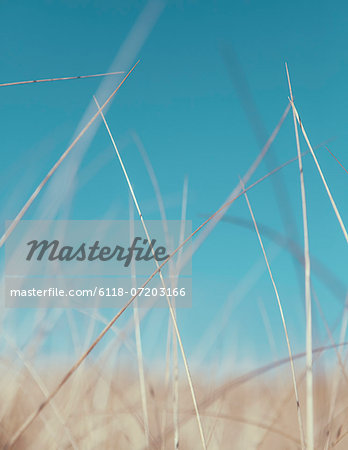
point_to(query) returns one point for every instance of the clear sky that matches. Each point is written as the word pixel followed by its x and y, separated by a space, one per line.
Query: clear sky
pixel 206 69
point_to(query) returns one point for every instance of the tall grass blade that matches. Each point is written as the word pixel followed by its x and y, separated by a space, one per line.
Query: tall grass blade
pixel 309 345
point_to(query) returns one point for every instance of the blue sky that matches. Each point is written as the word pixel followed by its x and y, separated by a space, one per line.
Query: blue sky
pixel 185 107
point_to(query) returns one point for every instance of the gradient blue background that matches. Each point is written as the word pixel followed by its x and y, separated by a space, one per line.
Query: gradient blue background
pixel 186 108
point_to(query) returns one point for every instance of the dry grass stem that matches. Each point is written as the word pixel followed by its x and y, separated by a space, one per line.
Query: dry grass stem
pixel 309 344
pixel 45 80
pixel 283 321
pixel 171 309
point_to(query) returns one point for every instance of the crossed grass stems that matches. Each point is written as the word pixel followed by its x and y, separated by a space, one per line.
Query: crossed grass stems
pixel 305 441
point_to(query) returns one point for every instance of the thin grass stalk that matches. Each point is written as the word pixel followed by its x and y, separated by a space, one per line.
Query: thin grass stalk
pixel 321 173
pixel 175 349
pixel 337 160
pixel 336 376
pixel 160 202
pixel 283 322
pixel 161 206
pixel 309 344
pixel 175 388
pixel 170 334
pixel 140 358
pixel 171 309
pixel 45 80
pixel 153 178
pixel 245 178
pixel 58 163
